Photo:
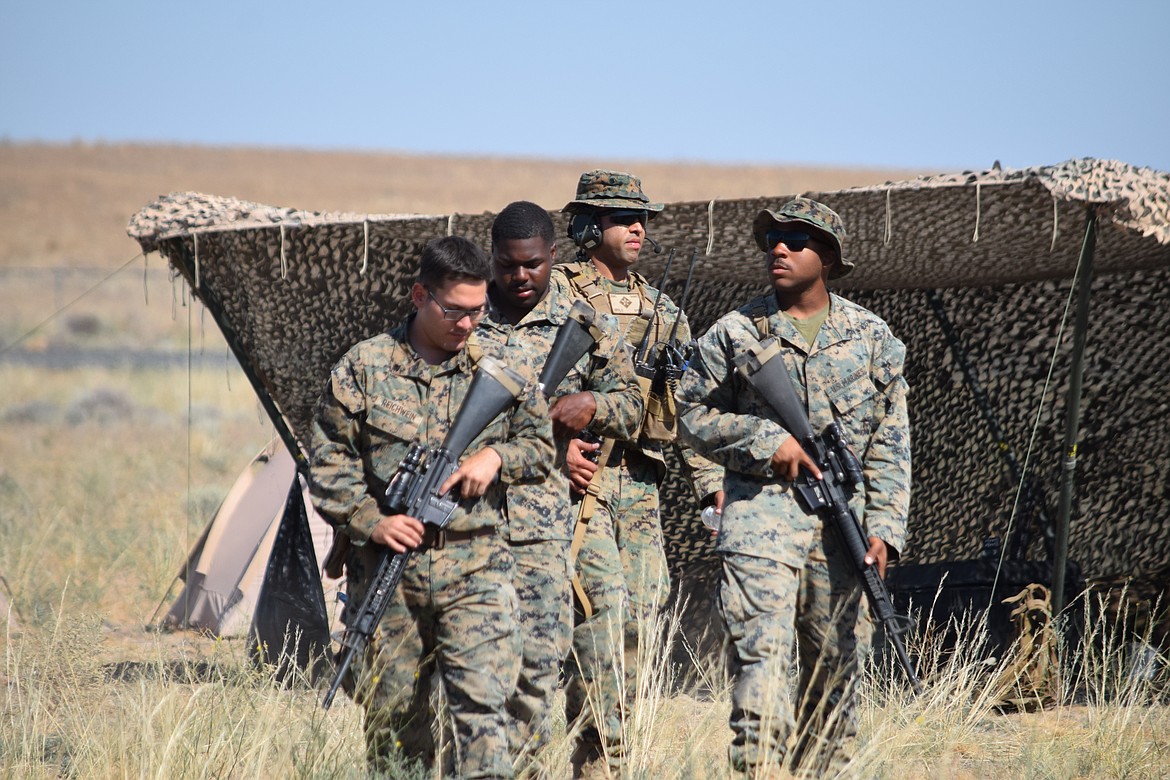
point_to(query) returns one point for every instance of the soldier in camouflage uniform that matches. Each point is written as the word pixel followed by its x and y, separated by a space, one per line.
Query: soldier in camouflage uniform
pixel 621 569
pixel 786 577
pixel 456 603
pixel 599 393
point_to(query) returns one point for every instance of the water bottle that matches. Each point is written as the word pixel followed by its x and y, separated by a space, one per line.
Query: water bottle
pixel 710 518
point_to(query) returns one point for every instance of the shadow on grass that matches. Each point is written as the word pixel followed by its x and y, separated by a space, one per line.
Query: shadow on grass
pixel 182 672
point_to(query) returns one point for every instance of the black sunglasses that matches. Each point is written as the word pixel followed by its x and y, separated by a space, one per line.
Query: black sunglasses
pixel 628 218
pixel 794 240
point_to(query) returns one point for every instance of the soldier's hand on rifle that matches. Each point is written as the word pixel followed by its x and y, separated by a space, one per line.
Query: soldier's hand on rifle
pixel 877 554
pixel 789 458
pixel 475 474
pixel 398 532
pixel 581 469
pixel 571 413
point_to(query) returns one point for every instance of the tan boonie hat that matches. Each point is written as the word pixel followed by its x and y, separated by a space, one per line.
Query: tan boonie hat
pixel 811 213
pixel 600 189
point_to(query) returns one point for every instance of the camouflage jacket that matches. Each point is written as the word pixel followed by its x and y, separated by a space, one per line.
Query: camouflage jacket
pixel 852 374
pixel 381 398
pixel 584 281
pixel 543 511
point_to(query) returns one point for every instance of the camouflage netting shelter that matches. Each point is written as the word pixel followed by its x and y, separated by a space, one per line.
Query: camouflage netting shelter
pixel 974 271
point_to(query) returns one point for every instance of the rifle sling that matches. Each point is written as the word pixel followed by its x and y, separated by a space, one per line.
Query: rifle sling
pixel 435 538
pixel 585 512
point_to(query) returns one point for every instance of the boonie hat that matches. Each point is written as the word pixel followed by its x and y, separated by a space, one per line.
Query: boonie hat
pixel 601 189
pixel 813 214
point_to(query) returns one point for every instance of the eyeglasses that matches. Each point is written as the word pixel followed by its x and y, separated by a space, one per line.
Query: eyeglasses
pixel 454 315
pixel 628 217
pixel 794 240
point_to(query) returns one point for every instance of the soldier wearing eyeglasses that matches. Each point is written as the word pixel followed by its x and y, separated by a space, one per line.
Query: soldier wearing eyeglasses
pixel 788 584
pixel 455 609
pixel 621 577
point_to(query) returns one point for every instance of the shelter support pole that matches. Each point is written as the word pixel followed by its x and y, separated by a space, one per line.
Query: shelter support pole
pixel 1073 404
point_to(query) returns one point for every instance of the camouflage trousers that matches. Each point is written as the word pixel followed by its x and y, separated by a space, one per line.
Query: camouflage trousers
pixel 454 615
pixel 544 620
pixel 774 612
pixel 622 569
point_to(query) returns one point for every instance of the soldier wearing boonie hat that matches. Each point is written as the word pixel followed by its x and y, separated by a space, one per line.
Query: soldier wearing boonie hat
pixel 817 216
pixel 618 497
pixel 602 189
pixel 787 581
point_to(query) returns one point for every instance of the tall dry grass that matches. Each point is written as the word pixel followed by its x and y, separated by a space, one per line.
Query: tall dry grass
pixel 67 712
pixel 96 517
pixel 107 477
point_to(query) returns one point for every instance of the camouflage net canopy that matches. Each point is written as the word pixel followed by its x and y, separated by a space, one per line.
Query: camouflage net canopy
pixel 995 252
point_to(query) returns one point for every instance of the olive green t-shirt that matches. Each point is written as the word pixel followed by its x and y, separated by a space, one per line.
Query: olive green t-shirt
pixel 809 326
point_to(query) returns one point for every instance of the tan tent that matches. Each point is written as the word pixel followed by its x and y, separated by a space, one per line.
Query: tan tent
pixel 225 571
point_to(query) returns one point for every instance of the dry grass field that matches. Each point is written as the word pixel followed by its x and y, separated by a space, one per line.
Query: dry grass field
pixel 123 423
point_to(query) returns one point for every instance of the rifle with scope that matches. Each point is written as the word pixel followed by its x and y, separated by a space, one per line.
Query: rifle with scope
pixel 764 367
pixel 414 491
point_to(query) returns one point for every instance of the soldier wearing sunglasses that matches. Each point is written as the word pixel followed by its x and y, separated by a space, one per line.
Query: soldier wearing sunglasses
pixel 620 569
pixel 788 583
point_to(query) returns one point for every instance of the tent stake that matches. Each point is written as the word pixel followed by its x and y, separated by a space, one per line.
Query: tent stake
pixel 1073 420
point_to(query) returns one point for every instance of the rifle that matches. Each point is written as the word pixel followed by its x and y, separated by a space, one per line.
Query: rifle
pixel 674 357
pixel 765 369
pixel 414 491
pixel 643 367
pixel 669 357
pixel 574 338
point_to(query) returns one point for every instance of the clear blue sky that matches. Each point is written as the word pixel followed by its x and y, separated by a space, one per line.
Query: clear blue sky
pixel 934 85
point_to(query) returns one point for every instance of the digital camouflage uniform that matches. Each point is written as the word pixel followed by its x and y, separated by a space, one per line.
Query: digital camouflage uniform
pixel 622 561
pixel 455 607
pixel 540 519
pixel 786 578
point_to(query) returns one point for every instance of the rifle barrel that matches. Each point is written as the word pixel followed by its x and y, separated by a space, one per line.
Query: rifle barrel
pixel 682 302
pixel 644 347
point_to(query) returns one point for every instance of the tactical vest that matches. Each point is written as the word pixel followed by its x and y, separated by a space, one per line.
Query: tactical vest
pixel 634 312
